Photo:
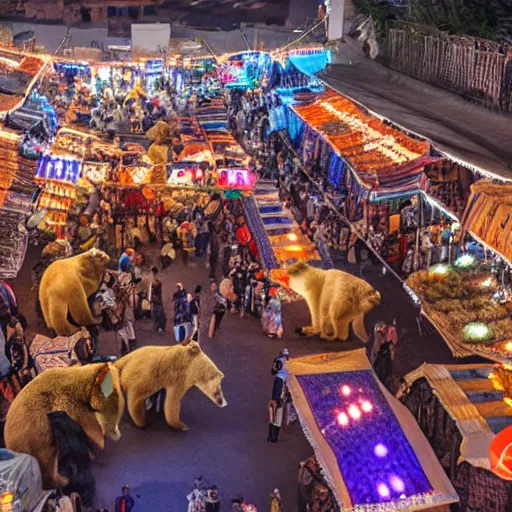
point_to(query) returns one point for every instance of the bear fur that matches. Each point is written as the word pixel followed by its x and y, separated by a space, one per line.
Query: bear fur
pixel 90 395
pixel 335 300
pixel 176 369
pixel 65 288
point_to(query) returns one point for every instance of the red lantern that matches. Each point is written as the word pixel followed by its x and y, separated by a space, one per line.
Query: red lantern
pixel 500 454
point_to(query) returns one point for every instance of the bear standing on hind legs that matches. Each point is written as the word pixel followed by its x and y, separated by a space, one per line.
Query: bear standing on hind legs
pixel 176 369
pixel 336 299
pixel 65 287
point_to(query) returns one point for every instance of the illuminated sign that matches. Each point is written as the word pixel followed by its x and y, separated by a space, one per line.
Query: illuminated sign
pixel 58 168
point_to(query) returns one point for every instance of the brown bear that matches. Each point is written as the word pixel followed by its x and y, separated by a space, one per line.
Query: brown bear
pixel 335 299
pixel 65 287
pixel 90 395
pixel 176 369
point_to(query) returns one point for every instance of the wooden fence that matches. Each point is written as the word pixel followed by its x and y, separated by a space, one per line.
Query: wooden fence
pixel 477 69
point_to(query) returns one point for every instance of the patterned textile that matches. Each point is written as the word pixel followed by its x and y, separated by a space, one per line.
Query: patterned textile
pixel 55 352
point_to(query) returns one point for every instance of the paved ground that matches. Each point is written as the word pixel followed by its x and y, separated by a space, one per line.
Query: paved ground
pixel 228 446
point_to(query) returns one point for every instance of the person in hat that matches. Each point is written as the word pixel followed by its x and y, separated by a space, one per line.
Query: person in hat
pixel 125 502
pixel 125 261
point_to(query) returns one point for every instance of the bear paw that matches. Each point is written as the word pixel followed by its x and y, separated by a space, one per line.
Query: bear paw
pixel 309 331
pixel 180 426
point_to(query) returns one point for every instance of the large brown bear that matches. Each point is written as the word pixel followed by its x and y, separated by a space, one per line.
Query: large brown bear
pixel 65 287
pixel 176 369
pixel 90 395
pixel 335 299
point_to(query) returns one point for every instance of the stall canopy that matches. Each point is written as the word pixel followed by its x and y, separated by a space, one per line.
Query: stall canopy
pixel 384 159
pixel 460 409
pixel 488 216
pixel 468 395
pixel 373 454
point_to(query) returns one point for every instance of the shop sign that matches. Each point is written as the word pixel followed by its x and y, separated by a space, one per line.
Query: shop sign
pixel 58 168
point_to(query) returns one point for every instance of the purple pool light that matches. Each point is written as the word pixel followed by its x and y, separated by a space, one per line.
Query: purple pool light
pixel 380 450
pixel 374 456
pixel 383 491
pixel 397 484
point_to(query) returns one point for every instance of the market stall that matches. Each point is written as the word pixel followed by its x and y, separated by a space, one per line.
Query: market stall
pixel 372 453
pixel 460 410
pixel 468 304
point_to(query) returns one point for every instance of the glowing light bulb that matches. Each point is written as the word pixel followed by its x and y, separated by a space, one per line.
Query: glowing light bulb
pixel 466 260
pixel 354 412
pixel 345 390
pixel 508 346
pixel 342 419
pixel 486 283
pixel 397 484
pixel 380 450
pixel 383 490
pixel 292 236
pixel 366 406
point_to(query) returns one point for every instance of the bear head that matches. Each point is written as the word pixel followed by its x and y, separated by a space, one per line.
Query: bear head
pixel 107 400
pixel 95 260
pixel 297 276
pixel 205 375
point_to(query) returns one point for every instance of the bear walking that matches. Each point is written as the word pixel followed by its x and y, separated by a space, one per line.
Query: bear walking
pixel 176 369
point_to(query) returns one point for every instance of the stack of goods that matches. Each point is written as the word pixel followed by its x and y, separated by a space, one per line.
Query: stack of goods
pixel 466 305
pixel 57 198
pixel 17 73
pixel 16 187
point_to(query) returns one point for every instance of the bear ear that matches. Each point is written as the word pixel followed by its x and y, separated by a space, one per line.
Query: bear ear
pixel 194 348
pixel 103 385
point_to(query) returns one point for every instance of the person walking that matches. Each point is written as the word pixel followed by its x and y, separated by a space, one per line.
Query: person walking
pixel 219 310
pixel 182 320
pixel 125 502
pixel 194 307
pixel 155 299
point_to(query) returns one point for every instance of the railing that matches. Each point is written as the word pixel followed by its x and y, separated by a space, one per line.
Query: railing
pixel 477 69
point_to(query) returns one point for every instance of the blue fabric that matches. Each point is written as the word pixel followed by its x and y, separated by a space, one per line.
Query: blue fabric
pixel 277 118
pixel 372 452
pixel 498 423
pixel 336 171
pixel 296 128
pixel 310 64
pixel 471 374
pixel 125 264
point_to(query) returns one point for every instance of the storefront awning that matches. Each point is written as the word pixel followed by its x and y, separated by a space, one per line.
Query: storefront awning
pixel 469 397
pixel 488 216
pixel 372 452
pixel 382 157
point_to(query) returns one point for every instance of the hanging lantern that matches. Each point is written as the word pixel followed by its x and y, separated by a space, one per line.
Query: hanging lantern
pixel 500 454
